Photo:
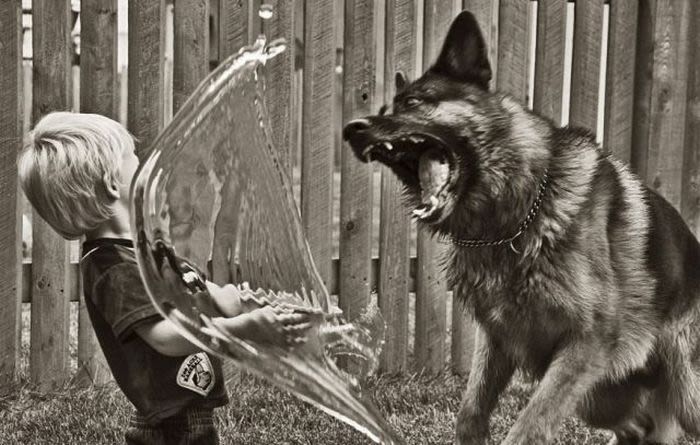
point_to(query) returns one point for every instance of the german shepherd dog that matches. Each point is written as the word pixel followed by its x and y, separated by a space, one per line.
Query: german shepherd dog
pixel 577 274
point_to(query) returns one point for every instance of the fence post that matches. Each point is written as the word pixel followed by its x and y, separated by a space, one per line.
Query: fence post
pixel 463 326
pixel 191 45
pixel 619 89
pixel 317 132
pixel 691 161
pixel 98 94
pixel 394 232
pixel 11 113
pixel 431 287
pixel 664 157
pixel 280 80
pixel 233 26
pixel 52 54
pixel 359 99
pixel 145 109
pixel 585 69
pixel 549 60
pixel 513 48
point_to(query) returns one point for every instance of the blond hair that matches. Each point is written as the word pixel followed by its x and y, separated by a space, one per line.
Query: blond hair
pixel 63 167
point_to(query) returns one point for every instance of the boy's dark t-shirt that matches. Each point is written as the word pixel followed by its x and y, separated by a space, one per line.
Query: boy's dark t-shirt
pixel 158 386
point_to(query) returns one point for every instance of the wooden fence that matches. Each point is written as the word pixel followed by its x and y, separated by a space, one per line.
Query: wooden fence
pixel 639 56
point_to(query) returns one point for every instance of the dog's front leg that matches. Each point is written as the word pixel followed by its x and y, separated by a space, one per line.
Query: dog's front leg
pixel 490 373
pixel 571 374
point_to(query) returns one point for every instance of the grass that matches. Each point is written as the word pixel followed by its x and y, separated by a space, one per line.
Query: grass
pixel 422 409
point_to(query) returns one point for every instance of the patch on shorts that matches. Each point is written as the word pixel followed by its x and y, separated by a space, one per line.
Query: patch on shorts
pixel 196 374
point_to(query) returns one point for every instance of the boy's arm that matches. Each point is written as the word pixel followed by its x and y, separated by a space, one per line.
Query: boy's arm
pixel 164 338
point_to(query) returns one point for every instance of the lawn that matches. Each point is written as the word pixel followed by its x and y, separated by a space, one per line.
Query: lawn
pixel 421 408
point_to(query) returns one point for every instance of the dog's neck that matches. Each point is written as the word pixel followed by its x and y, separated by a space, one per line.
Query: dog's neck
pixel 499 216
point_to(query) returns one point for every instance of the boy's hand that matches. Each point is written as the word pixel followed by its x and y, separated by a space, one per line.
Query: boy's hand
pixel 278 326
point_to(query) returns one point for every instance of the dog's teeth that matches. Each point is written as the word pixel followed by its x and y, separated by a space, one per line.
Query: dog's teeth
pixel 388 146
pixel 418 212
pixel 416 139
pixel 367 152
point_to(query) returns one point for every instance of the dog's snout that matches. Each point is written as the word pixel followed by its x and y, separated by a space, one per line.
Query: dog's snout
pixel 355 126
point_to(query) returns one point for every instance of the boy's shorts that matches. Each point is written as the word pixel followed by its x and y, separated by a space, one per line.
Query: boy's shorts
pixel 194 426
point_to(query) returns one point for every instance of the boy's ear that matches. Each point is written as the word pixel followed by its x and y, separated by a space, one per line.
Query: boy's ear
pixel 111 185
pixel 463 56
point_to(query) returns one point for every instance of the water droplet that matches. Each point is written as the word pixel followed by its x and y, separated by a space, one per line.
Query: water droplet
pixel 266 11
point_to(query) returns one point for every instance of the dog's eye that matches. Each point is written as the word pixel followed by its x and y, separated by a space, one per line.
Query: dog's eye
pixel 412 101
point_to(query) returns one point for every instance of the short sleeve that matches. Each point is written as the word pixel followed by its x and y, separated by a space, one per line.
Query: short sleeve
pixel 123 300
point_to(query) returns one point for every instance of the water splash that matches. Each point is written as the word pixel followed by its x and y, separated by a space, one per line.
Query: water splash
pixel 266 11
pixel 213 190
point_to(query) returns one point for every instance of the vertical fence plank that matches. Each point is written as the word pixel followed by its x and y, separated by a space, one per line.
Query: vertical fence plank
pixel 98 94
pixel 549 59
pixel 668 99
pixel 280 79
pixel 691 164
pixel 486 13
pixel 233 26
pixel 52 54
pixel 462 325
pixel 234 23
pixel 11 118
pixel 317 132
pixel 400 56
pixel 513 48
pixel 431 290
pixel 145 110
pixel 585 69
pixel 359 97
pixel 622 42
pixel 191 48
pixel 644 67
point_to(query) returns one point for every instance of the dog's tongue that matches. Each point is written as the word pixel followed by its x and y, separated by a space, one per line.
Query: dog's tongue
pixel 433 173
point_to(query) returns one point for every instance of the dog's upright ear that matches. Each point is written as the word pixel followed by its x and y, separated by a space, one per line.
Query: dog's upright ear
pixel 400 81
pixel 463 56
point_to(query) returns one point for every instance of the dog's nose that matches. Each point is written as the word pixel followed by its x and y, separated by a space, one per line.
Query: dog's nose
pixel 354 127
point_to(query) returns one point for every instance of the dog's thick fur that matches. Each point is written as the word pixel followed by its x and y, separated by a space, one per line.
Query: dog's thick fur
pixel 598 299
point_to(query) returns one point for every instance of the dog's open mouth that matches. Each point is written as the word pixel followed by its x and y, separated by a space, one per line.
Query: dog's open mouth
pixel 422 160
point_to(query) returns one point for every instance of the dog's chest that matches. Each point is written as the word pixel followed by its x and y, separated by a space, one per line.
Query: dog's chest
pixel 515 303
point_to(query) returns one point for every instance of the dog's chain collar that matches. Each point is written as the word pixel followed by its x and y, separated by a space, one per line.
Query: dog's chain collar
pixel 534 209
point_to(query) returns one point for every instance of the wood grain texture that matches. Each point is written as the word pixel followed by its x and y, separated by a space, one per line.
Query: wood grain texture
pixel 644 68
pixel 486 13
pixel 585 69
pixel 513 48
pixel 359 99
pixel 549 59
pixel 317 132
pixel 234 17
pixel 431 290
pixel 191 48
pixel 280 80
pixel 98 94
pixel 668 99
pixel 145 110
pixel 52 53
pixel 11 118
pixel 619 88
pixel 394 231
pixel 690 204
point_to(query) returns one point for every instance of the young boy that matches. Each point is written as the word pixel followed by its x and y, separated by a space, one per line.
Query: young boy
pixel 76 170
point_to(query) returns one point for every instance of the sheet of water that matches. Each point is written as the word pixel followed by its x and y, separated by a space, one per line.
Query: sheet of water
pixel 212 190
